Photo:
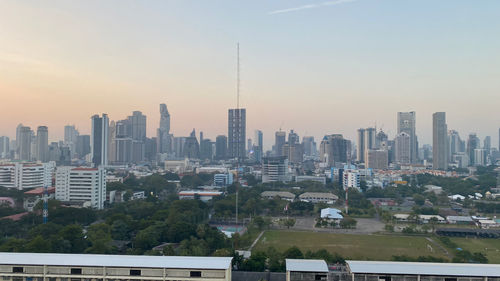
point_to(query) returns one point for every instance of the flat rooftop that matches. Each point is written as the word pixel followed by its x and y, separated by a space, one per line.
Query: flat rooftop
pixel 115 261
pixel 424 268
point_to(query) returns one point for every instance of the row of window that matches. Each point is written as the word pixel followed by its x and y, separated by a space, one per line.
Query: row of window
pixel 78 271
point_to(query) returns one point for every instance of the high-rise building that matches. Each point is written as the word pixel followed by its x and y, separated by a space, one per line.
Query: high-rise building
pixel 334 150
pixel 258 149
pixel 454 144
pixel 407 124
pixel 487 144
pixel 82 145
pixel 179 143
pixel 275 169
pixel 309 146
pixel 439 141
pixel 4 147
pixel 26 175
pixel 360 152
pixel 369 140
pixel 24 143
pixel 381 140
pixel 192 147
pixel 236 133
pixel 279 142
pixel 163 137
pixel 480 157
pixel 81 184
pixel 472 144
pixel 293 150
pixel 221 147
pixel 70 138
pixel 206 152
pixel 42 144
pixel 403 148
pixel 99 140
pixel 377 159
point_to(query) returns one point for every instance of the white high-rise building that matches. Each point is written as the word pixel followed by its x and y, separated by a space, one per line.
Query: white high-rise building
pixel 275 169
pixel 351 179
pixel 403 148
pixel 407 124
pixel 26 175
pixel 81 184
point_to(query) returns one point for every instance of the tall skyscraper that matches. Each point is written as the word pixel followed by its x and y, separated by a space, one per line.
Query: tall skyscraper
pixel 82 145
pixel 472 144
pixel 279 142
pixel 192 147
pixel 407 124
pixel 137 124
pixel 4 147
pixel 24 143
pixel 360 152
pixel 487 144
pixel 309 146
pixel 70 138
pixel 258 145
pixel 334 150
pixel 236 133
pixel 42 144
pixel 99 140
pixel 439 141
pixel 163 137
pixel 403 148
pixel 221 147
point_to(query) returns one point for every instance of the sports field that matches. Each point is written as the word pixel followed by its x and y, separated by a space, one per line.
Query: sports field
pixel 351 246
pixel 489 247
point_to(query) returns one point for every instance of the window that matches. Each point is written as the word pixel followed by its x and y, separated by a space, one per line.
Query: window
pixel 450 279
pixel 384 278
pixel 320 277
pixel 135 272
pixel 77 271
pixel 18 269
pixel 195 274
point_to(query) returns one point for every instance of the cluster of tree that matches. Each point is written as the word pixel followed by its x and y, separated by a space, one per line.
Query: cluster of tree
pixel 419 259
pixel 156 185
pixel 274 261
pixel 463 256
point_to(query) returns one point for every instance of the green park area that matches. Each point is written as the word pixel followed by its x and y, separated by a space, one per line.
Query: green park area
pixel 352 246
pixel 489 247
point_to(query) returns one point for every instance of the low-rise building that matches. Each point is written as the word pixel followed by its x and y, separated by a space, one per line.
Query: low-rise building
pixel 202 195
pixel 285 195
pixel 319 197
pixel 321 180
pixel 32 197
pixel 459 220
pixel 223 179
pixel 60 267
pixel 331 214
pixel 306 270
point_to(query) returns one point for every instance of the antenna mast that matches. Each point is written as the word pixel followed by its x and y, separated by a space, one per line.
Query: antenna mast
pixel 239 123
pixel 238 75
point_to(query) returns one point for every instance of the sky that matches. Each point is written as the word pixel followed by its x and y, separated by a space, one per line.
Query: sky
pixel 318 67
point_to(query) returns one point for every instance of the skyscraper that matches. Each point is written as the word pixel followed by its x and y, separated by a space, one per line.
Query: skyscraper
pixel 221 147
pixel 258 145
pixel 163 134
pixel 439 141
pixel 4 147
pixel 472 144
pixel 192 147
pixel 279 142
pixel 360 152
pixel 334 149
pixel 70 137
pixel 82 145
pixel 487 144
pixel 403 148
pixel 99 140
pixel 309 146
pixel 42 144
pixel 24 143
pixel 137 123
pixel 237 133
pixel 407 124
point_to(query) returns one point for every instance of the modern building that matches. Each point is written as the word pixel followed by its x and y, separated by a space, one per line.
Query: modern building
pixel 439 141
pixel 42 144
pixel 455 144
pixel 236 133
pixel 279 142
pixel 191 148
pixel 275 169
pixel 360 151
pixel 223 179
pixel 473 143
pixel 221 147
pixel 71 138
pixel 334 150
pixel 292 149
pixel 60 267
pixel 377 159
pixel 480 157
pixel 403 153
pixel 4 147
pixel 82 145
pixel 258 149
pixel 99 139
pixel 163 136
pixel 24 143
pixel 407 124
pixel 81 184
pixel 309 145
pixel 351 179
pixel 25 175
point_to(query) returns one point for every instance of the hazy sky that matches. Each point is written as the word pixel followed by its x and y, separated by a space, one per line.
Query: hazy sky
pixel 318 67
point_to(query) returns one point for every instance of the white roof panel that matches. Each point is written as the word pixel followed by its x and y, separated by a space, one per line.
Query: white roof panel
pixel 306 265
pixel 424 268
pixel 116 260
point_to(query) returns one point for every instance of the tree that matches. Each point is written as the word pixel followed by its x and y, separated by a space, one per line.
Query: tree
pixel 348 223
pixel 289 223
pixel 293 253
pixel 73 233
pixel 99 236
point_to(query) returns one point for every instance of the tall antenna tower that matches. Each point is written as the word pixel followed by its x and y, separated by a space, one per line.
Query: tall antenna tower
pixel 238 75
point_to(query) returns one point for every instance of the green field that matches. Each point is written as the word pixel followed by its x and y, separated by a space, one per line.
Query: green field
pixel 351 246
pixel 489 247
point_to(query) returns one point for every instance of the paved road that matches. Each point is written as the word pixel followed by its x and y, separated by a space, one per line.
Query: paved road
pixel 364 226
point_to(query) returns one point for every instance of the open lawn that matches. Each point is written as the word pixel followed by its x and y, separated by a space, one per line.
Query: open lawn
pixel 489 247
pixel 351 246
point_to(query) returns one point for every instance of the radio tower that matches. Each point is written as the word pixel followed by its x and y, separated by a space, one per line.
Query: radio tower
pixel 239 114
pixel 45 204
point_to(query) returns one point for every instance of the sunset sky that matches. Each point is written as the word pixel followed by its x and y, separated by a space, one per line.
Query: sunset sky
pixel 318 67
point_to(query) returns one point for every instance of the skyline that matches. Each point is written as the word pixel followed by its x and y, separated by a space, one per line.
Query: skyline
pixel 379 57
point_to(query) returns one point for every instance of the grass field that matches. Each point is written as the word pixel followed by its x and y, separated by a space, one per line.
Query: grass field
pixel 351 246
pixel 489 247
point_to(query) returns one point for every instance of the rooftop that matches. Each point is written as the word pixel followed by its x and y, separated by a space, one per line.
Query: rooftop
pixel 116 260
pixel 424 268
pixel 306 265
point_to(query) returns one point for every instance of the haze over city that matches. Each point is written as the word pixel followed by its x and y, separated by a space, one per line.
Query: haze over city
pixel 315 67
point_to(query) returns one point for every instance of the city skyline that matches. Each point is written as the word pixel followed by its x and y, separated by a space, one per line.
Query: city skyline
pixel 424 57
